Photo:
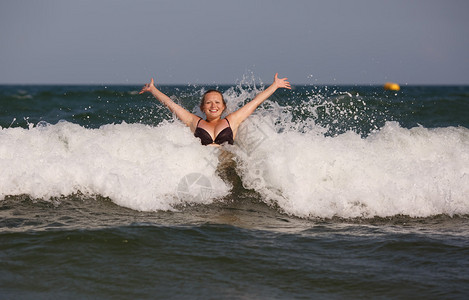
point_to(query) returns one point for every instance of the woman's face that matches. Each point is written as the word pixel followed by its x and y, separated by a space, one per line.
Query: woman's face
pixel 213 105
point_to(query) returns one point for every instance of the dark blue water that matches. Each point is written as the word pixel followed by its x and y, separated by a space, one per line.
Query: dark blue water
pixel 94 106
pixel 338 192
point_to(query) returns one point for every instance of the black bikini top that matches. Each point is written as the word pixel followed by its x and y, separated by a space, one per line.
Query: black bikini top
pixel 226 135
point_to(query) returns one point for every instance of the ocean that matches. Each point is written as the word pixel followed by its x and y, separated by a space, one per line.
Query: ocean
pixel 333 192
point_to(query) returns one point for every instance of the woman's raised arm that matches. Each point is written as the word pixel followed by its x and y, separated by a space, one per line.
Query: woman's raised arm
pixel 237 117
pixel 184 115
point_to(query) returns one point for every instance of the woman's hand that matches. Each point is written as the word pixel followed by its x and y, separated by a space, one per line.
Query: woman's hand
pixel 281 82
pixel 149 87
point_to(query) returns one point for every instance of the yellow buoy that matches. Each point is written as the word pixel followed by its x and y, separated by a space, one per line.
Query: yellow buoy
pixel 391 86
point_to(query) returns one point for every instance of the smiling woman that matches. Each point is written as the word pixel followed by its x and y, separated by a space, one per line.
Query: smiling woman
pixel 213 104
pixel 214 130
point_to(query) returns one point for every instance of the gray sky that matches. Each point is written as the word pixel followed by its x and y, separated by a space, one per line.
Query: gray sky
pixel 209 41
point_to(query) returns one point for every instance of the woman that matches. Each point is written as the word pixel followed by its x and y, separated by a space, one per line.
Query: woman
pixel 214 130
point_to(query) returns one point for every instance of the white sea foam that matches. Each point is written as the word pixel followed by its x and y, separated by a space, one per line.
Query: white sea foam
pixel 417 172
pixel 136 166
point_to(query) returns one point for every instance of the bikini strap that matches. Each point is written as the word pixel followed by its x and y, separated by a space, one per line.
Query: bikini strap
pixel 198 123
pixel 228 122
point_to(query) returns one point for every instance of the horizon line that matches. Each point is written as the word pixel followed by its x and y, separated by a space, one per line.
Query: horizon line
pixel 231 84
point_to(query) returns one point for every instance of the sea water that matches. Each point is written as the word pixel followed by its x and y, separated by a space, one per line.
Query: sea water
pixel 328 191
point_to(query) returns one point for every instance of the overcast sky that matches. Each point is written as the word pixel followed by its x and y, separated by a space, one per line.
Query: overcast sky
pixel 196 42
